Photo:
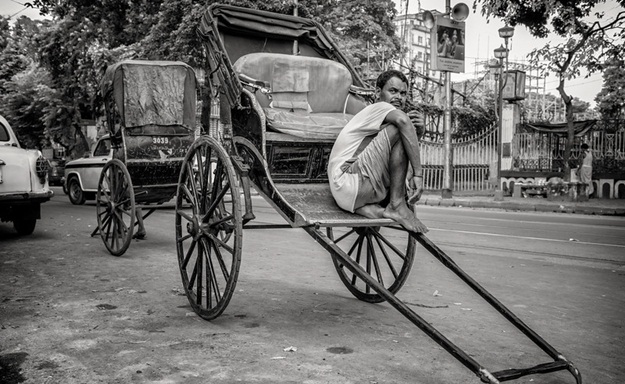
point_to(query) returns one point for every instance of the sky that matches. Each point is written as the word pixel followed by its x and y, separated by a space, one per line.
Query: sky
pixel 482 39
pixel 16 9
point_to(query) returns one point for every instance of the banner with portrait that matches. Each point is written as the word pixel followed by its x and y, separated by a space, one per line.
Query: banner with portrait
pixel 447 45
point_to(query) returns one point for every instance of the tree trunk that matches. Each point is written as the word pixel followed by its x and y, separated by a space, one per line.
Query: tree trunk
pixel 570 137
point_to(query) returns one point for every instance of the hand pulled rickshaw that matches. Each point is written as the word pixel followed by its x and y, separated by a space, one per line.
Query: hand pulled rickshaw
pixel 280 113
pixel 150 116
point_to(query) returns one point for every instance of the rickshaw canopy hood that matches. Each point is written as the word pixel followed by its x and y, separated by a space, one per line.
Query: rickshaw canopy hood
pixel 235 20
pixel 151 93
pixel 230 32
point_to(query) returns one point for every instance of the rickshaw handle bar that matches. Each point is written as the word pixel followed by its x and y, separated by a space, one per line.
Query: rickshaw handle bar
pixel 560 361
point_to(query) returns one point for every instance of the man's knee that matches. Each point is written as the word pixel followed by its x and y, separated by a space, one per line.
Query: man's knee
pixel 393 133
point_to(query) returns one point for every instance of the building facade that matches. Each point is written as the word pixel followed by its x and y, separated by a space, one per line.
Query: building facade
pixel 415 51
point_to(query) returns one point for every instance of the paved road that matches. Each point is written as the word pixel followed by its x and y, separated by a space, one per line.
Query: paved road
pixel 72 313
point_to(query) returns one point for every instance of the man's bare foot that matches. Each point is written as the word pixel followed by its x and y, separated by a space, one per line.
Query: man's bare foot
pixel 402 214
pixel 372 211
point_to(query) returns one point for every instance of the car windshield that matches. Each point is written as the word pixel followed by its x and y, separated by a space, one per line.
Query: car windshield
pixel 103 148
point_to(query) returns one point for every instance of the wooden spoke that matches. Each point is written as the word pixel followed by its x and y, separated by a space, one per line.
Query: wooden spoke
pixel 209 227
pixel 115 207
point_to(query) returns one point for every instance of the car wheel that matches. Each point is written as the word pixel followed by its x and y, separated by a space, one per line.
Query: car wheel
pixel 25 226
pixel 76 195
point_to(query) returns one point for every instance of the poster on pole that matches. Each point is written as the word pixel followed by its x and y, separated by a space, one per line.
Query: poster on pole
pixel 447 45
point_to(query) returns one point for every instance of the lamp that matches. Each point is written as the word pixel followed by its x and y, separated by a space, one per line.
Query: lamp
pixel 501 52
pixel 506 32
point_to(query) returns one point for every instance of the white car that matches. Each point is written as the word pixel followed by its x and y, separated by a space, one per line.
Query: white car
pixel 82 175
pixel 23 182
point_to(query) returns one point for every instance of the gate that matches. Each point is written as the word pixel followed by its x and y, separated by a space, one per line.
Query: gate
pixel 473 157
pixel 542 151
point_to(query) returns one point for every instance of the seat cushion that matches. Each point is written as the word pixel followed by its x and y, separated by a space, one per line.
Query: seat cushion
pixel 308 94
pixel 307 125
pixel 324 82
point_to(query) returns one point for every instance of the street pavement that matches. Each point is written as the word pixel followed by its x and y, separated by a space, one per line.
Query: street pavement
pixel 71 313
pixel 608 207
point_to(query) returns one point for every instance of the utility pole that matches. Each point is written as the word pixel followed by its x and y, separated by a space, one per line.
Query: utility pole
pixel 446 193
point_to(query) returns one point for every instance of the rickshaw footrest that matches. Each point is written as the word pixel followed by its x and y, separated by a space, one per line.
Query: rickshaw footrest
pixel 511 374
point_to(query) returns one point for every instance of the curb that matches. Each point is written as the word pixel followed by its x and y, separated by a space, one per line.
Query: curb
pixel 513 206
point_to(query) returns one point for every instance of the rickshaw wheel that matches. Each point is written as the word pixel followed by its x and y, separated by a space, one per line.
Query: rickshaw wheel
pixel 208 227
pixel 115 207
pixel 378 251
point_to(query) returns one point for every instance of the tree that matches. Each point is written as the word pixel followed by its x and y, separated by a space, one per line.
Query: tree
pixel 84 37
pixel 75 50
pixel 23 106
pixel 589 42
pixel 579 106
pixel 21 82
pixel 611 99
pixel 363 30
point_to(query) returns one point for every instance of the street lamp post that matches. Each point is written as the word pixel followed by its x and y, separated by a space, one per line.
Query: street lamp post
pixel 501 54
pixel 452 19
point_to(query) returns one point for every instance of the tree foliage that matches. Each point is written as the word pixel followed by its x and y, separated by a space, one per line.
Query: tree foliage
pixel 364 30
pixel 20 79
pixel 611 99
pixel 590 39
pixel 72 50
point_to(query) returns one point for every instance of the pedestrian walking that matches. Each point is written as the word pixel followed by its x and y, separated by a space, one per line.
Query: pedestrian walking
pixel 584 171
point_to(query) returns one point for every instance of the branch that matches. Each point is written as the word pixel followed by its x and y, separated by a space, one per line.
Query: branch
pixel 595 28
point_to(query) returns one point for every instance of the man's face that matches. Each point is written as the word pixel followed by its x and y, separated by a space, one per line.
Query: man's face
pixel 394 92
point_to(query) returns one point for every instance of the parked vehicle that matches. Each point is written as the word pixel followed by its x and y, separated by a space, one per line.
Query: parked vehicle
pixel 150 110
pixel 23 182
pixel 56 173
pixel 82 175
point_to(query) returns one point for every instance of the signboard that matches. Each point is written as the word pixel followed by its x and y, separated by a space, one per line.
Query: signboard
pixel 447 44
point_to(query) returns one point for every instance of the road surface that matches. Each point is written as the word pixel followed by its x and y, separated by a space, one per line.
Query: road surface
pixel 72 313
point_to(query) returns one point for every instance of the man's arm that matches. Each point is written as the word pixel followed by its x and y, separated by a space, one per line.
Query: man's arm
pixel 409 138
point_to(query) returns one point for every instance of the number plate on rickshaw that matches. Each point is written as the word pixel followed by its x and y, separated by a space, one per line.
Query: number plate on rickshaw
pixel 160 140
pixel 157 147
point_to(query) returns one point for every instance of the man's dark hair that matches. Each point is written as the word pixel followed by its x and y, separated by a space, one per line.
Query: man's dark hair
pixel 584 146
pixel 387 75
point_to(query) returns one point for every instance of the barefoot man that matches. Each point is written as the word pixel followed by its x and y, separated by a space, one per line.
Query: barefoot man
pixel 371 157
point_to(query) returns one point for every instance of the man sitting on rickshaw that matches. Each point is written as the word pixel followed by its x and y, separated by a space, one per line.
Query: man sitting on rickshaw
pixel 370 159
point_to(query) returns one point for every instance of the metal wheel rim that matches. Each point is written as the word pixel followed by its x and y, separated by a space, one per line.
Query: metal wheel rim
pixel 389 262
pixel 115 207
pixel 209 232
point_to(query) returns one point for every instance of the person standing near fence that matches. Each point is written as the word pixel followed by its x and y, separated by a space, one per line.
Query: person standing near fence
pixel 584 171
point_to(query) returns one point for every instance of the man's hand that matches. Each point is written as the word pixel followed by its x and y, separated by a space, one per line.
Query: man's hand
pixel 418 121
pixel 416 189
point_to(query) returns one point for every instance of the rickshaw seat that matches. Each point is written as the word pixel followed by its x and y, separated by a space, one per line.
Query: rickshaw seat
pixel 309 95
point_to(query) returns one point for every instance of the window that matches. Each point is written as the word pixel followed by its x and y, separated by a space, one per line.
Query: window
pixel 420 40
pixel 4 134
pixel 103 148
